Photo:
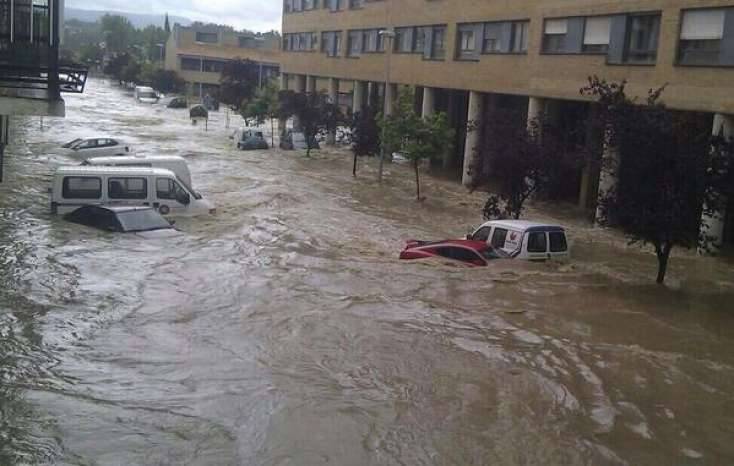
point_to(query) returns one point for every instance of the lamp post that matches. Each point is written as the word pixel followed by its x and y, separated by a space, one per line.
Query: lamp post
pixel 387 39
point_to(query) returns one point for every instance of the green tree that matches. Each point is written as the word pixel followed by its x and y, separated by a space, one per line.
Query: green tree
pixel 167 25
pixel 417 138
pixel 118 33
pixel 315 112
pixel 365 134
pixel 264 106
pixel 131 72
pixel 239 81
pixel 115 66
pixel 670 170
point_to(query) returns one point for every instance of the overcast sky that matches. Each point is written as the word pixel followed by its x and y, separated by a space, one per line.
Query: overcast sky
pixel 256 15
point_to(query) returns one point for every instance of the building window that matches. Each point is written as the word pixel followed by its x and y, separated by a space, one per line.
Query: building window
pixel 701 37
pixel 211 66
pixel 207 37
pixel 354 43
pixel 246 42
pixel 419 44
pixel 492 35
pixel 554 35
pixel 642 39
pixel 438 42
pixel 403 40
pixel 334 5
pixel 287 6
pixel 519 38
pixel 355 4
pixel 596 34
pixel 370 39
pixel 191 64
pixel 467 42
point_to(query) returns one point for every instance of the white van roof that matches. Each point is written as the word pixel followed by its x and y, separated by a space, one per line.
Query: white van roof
pixel 134 159
pixel 143 88
pixel 522 225
pixel 86 170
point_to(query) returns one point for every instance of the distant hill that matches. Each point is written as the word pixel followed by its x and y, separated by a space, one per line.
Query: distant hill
pixel 137 19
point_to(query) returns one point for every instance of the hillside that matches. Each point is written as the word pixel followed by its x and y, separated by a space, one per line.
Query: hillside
pixel 138 20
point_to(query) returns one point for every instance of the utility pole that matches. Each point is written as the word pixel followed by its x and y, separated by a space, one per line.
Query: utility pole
pixel 387 39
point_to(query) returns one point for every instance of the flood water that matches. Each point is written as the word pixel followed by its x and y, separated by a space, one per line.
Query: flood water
pixel 284 331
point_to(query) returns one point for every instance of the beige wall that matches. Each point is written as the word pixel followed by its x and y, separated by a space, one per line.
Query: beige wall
pixel 556 76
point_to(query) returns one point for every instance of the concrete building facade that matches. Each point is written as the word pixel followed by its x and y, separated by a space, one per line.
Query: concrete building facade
pixel 198 53
pixel 466 56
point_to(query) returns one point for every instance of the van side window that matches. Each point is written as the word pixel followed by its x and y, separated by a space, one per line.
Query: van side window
pixel 482 234
pixel 164 188
pixel 127 188
pixel 537 242
pixel 81 187
pixel 557 241
pixel 498 238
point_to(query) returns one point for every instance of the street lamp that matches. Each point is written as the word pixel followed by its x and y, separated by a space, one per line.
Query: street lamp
pixel 387 38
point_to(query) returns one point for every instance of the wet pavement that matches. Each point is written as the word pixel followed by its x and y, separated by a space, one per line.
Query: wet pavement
pixel 283 330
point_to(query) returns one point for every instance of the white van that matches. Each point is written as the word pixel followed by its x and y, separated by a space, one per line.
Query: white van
pixel 146 95
pixel 174 163
pixel 75 186
pixel 524 240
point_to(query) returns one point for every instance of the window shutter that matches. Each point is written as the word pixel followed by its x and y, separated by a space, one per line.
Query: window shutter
pixel 556 26
pixel 702 25
pixel 505 37
pixel 597 30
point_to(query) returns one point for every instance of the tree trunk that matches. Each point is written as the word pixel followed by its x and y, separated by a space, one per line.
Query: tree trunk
pixel 663 253
pixel 354 166
pixel 417 181
pixel 272 133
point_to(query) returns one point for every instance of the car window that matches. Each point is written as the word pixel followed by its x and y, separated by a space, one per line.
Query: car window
pixel 498 238
pixel 537 242
pixel 81 187
pixel 457 253
pixel 557 241
pixel 127 188
pixel 482 234
pixel 87 144
pixel 165 189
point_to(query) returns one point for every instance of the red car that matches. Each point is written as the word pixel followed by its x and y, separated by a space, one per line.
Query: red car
pixel 472 253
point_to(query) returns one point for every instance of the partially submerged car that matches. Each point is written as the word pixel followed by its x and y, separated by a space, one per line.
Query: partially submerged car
pixel 177 102
pixel 145 221
pixel 146 95
pixel 471 253
pixel 99 146
pixel 249 139
pixel 524 240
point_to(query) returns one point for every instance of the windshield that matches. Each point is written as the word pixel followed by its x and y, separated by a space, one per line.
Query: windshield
pixel 147 95
pixel 142 220
pixel 71 143
pixel 492 253
pixel 188 188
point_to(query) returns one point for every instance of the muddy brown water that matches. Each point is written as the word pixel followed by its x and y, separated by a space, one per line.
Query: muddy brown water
pixel 283 330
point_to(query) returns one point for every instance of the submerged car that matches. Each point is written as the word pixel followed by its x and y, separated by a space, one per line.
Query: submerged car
pixel 123 219
pixel 178 102
pixel 146 95
pixel 295 140
pixel 524 240
pixel 471 253
pixel 85 148
pixel 248 139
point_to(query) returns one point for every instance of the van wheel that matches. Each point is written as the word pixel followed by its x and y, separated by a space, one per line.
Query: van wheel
pixel 164 210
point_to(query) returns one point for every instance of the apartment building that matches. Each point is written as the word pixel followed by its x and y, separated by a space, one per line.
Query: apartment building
pixel 31 78
pixel 198 53
pixel 466 56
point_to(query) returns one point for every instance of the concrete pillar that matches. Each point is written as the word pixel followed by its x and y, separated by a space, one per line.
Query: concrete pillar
pixel 391 93
pixel 714 225
pixel 429 102
pixel 609 176
pixel 283 81
pixel 473 139
pixel 334 98
pixel 536 105
pixel 586 172
pixel 358 96
pixel 311 84
pixel 371 93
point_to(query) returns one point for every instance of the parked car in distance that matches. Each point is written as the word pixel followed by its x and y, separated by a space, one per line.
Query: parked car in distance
pixel 524 240
pixel 100 146
pixel 146 95
pixel 177 102
pixel 174 163
pixel 471 253
pixel 250 139
pixel 145 221
pixel 75 186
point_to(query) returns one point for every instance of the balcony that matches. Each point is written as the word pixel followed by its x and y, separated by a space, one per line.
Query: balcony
pixel 31 77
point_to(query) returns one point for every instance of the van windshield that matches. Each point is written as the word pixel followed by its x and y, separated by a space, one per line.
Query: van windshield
pixel 188 188
pixel 147 95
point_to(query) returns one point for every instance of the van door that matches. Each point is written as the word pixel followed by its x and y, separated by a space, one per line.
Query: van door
pixel 171 197
pixel 536 245
pixel 512 240
pixel 557 244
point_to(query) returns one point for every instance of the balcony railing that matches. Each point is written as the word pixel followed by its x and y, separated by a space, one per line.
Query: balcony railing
pixel 29 50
